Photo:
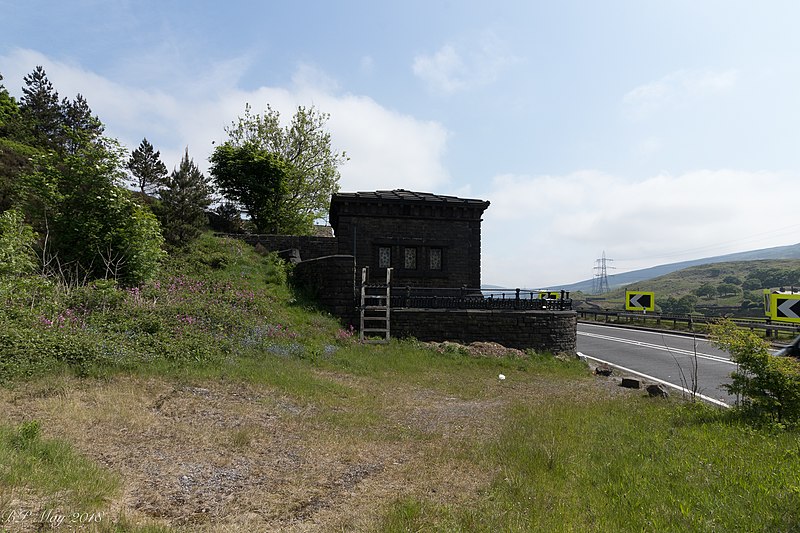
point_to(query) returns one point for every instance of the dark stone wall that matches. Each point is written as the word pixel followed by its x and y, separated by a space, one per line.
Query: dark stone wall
pixel 459 240
pixel 551 331
pixel 311 247
pixel 331 281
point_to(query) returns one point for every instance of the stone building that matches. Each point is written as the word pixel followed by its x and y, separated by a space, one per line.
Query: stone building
pixel 430 240
pixel 432 243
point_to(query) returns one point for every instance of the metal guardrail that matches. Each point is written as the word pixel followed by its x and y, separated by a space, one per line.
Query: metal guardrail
pixel 465 298
pixel 770 328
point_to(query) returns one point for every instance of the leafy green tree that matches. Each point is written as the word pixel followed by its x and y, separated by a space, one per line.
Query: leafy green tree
pixel 184 199
pixel 69 190
pixel 147 169
pixel 296 163
pixel 258 180
pixel 727 289
pixel 707 291
pixel 15 156
pixel 752 283
pixel 9 111
pixel 686 304
pixel 683 306
pixel 93 228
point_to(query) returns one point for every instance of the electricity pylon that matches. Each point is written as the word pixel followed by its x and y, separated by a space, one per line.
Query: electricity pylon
pixel 600 280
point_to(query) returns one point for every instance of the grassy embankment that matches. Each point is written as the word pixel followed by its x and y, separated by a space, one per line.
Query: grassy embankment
pixel 213 400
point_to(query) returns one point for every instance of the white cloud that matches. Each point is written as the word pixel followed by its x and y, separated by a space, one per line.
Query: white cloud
pixel 444 70
pixel 449 70
pixel 387 149
pixel 676 88
pixel 542 230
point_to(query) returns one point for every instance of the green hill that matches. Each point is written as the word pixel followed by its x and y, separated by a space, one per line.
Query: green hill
pixel 636 276
pixel 738 284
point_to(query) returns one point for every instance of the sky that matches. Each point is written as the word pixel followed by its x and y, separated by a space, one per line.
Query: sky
pixel 651 131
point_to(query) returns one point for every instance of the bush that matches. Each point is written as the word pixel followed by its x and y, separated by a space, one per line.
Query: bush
pixel 92 227
pixel 17 256
pixel 769 386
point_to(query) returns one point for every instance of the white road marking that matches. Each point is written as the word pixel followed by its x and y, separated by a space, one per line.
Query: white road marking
pixel 661 347
pixel 651 378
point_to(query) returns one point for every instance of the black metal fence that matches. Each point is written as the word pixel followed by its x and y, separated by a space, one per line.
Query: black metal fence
pixel 465 298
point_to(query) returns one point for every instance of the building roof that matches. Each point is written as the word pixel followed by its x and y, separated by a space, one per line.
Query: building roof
pixel 401 197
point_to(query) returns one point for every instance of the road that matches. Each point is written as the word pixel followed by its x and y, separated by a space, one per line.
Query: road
pixel 666 357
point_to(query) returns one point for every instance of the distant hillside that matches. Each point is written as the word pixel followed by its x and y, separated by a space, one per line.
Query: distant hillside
pixel 635 276
pixel 745 281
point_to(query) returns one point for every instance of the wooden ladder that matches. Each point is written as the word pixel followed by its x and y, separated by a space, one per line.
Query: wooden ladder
pixel 375 304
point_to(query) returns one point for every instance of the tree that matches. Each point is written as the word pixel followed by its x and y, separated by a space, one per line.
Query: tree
pixel 186 195
pixel 728 289
pixel 9 111
pixel 706 290
pixel 40 109
pixel 683 306
pixel 147 168
pixel 686 304
pixel 751 283
pixel 258 180
pixel 14 157
pixel 79 125
pixel 94 229
pixel 282 176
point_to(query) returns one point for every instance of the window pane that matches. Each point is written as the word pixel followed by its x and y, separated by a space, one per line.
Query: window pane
pixel 410 258
pixel 384 257
pixel 435 258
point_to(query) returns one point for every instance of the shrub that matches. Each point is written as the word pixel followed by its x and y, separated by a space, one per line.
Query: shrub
pixel 768 385
pixel 17 256
pixel 93 228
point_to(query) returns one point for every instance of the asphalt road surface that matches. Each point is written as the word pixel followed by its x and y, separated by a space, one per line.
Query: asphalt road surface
pixel 661 357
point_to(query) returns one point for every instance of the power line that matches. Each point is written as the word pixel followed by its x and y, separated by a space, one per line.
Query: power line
pixel 785 230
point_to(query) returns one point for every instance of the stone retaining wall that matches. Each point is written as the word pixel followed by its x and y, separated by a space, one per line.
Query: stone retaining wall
pixel 548 331
pixel 331 281
pixel 311 247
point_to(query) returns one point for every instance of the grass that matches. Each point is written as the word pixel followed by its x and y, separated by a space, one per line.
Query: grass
pixel 624 465
pixel 212 400
pixel 51 466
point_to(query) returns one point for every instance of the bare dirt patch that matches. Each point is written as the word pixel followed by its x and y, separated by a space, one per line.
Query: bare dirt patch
pixel 225 456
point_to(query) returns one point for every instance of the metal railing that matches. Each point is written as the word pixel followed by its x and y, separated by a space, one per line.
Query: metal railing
pixel 466 298
pixel 770 328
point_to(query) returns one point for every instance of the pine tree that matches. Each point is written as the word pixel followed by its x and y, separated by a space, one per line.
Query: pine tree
pixel 41 110
pixel 80 125
pixel 147 168
pixel 186 195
